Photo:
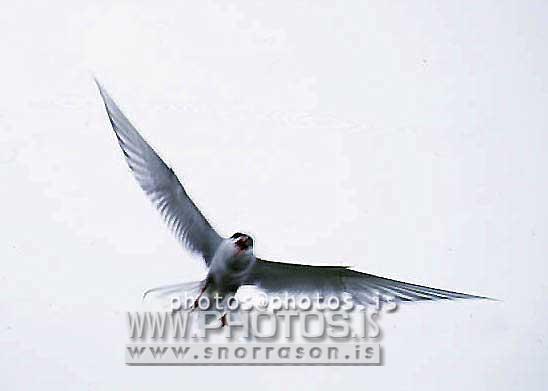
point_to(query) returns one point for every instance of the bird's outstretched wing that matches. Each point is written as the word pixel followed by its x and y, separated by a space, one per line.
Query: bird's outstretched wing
pixel 162 186
pixel 365 289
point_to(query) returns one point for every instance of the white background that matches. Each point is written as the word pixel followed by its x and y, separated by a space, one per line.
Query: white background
pixel 408 140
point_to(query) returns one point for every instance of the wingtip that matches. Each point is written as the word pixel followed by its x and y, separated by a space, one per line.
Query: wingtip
pixel 109 103
pixel 95 79
pixel 97 83
pixel 489 299
pixel 102 91
pixel 475 297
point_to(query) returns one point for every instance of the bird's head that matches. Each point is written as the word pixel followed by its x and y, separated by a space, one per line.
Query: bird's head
pixel 242 241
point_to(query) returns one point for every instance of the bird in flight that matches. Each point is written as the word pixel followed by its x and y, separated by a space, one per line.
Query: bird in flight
pixel 231 262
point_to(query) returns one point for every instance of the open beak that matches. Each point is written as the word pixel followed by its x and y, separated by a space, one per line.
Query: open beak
pixel 244 243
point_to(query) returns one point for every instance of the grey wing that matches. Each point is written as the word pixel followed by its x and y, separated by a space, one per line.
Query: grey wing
pixel 162 186
pixel 365 289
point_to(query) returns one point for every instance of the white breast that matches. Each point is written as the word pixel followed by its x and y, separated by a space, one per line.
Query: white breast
pixel 228 267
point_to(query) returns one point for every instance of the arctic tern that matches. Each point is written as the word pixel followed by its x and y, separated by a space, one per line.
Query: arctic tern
pixel 231 262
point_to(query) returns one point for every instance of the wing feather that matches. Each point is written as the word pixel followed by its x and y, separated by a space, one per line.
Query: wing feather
pixel 365 289
pixel 161 186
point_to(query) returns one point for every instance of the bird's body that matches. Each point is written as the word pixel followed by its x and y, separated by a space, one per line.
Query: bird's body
pixel 230 267
pixel 231 262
